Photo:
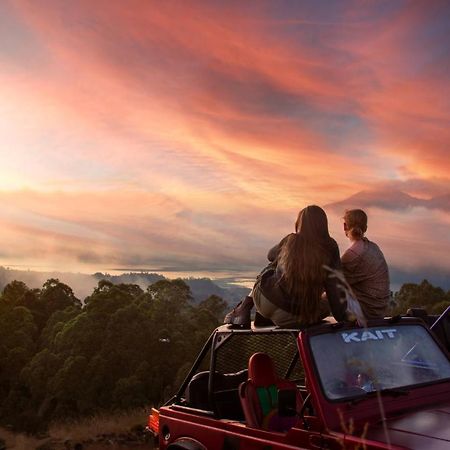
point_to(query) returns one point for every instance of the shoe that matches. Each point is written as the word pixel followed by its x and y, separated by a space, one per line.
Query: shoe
pixel 240 315
pixel 261 321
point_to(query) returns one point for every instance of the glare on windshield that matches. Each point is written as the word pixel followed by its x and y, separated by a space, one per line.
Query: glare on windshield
pixel 353 362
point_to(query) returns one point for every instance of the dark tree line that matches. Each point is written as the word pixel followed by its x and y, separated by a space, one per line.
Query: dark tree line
pixel 125 347
pixel 424 295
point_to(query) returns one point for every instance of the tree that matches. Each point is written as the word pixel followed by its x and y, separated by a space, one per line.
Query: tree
pixel 37 375
pixel 68 388
pixel 170 302
pixel 14 291
pixel 108 297
pixel 18 336
pixel 55 325
pixel 129 393
pixel 56 296
pixel 423 295
pixel 216 306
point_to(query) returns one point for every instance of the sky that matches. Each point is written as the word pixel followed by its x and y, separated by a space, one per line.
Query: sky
pixel 187 135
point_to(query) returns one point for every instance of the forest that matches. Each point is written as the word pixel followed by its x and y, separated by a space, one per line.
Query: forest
pixel 120 348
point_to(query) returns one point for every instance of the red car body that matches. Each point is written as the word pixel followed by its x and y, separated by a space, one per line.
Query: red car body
pixel 385 386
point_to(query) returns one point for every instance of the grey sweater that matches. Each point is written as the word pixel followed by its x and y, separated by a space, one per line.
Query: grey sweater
pixel 366 271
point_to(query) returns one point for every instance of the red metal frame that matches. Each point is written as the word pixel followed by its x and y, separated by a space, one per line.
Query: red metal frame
pixel 335 425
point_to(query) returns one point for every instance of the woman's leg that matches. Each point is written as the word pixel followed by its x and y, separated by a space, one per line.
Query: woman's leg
pixel 267 309
pixel 240 315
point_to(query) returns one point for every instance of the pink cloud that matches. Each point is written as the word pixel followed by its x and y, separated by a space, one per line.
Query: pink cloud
pixel 170 124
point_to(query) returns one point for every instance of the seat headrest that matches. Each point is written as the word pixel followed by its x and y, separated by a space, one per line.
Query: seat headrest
pixel 261 370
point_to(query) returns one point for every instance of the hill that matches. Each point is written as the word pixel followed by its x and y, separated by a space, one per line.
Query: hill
pixel 390 199
pixel 83 284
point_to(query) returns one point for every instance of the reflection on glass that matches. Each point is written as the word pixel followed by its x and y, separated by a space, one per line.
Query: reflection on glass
pixel 352 363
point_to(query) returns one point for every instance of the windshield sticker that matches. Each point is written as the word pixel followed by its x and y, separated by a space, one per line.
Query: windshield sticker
pixel 362 336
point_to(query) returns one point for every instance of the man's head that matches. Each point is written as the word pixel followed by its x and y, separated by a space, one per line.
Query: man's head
pixel 355 223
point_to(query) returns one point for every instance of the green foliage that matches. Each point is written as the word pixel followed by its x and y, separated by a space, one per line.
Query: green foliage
pixel 18 344
pixel 14 291
pixel 55 296
pixel 123 349
pixel 42 303
pixel 216 306
pixel 439 307
pixel 424 295
pixel 128 392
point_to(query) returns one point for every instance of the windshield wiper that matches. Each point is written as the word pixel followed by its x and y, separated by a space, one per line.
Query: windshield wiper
pixel 388 392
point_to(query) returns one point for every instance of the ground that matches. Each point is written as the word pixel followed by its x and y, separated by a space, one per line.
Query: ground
pixel 113 432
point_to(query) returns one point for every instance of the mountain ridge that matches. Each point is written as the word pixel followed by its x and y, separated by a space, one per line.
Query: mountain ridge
pixel 390 199
pixel 83 284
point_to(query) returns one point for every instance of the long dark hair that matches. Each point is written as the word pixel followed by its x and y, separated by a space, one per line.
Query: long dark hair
pixel 301 262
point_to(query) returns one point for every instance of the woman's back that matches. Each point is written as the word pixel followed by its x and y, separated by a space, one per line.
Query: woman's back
pixel 300 278
pixel 289 291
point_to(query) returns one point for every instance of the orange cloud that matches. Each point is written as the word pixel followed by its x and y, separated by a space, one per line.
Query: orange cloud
pixel 154 129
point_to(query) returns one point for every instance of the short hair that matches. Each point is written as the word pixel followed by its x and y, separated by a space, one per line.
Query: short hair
pixel 356 220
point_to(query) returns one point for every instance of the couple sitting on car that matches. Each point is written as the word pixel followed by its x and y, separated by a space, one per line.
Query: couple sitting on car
pixel 290 291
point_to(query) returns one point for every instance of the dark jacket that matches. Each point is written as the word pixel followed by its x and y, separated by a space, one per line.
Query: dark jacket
pixel 273 289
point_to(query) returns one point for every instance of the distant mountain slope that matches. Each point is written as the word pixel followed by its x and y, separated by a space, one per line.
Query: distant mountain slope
pixel 201 288
pixel 390 199
pixel 83 284
pixel 143 279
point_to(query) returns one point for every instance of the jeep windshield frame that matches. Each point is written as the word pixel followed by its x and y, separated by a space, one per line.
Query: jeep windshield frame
pixel 389 358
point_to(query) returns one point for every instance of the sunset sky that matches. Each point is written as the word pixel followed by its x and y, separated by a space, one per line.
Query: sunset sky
pixel 187 135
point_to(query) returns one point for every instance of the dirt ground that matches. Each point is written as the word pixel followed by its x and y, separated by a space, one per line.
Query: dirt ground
pixel 21 442
pixel 123 431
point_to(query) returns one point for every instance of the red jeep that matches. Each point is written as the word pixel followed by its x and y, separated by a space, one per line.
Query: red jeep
pixel 332 386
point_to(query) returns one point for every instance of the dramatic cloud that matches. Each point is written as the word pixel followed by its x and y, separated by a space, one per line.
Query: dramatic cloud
pixel 188 134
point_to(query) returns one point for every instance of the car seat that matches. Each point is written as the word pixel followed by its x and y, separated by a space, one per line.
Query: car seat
pixel 225 394
pixel 259 396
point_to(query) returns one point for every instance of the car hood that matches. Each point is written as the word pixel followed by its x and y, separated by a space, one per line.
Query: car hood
pixel 427 429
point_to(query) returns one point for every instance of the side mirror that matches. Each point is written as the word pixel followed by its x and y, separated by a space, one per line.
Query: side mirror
pixel 287 402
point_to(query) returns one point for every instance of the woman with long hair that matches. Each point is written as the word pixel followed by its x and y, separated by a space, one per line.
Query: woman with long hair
pixel 290 290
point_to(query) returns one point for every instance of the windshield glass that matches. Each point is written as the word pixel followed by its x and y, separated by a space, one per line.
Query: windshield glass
pixel 352 363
